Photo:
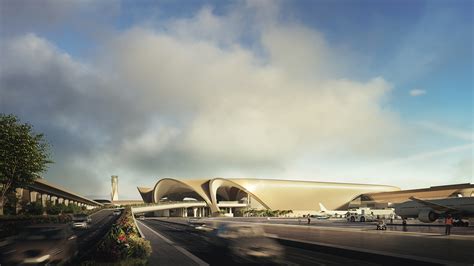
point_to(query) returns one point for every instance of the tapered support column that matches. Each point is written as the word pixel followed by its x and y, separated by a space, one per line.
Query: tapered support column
pixel 19 197
pixel 33 196
pixel 44 198
pixel 53 200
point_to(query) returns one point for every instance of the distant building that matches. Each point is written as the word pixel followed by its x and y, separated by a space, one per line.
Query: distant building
pixel 114 194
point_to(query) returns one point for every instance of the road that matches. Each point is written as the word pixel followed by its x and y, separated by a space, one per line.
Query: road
pixel 88 238
pixel 201 245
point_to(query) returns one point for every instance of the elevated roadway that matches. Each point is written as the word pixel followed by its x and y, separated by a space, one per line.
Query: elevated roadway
pixel 43 191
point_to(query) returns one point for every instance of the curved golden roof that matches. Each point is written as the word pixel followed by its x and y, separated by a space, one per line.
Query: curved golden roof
pixel 270 193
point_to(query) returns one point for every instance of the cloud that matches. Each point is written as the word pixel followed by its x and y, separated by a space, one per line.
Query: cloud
pixel 238 105
pixel 448 131
pixel 464 170
pixel 86 16
pixel 417 92
pixel 194 101
pixel 430 154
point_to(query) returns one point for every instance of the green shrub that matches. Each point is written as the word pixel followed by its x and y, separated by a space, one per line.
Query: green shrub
pixel 140 247
pixel 54 209
pixel 33 208
pixel 71 208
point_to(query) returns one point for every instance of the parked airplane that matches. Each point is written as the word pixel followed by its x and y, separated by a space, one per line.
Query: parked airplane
pixel 429 211
pixel 330 213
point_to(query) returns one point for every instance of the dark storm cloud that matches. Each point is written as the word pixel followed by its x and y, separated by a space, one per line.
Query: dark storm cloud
pixel 20 16
pixel 72 105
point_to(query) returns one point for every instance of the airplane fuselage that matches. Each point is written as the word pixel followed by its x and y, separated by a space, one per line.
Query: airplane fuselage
pixel 457 207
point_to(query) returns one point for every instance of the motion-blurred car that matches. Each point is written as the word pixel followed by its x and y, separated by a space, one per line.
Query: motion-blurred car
pixel 81 221
pixel 195 222
pixel 41 245
pixel 117 212
pixel 199 224
pixel 248 244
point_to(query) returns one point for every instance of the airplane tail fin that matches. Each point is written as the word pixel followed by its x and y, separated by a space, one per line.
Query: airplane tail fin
pixel 321 206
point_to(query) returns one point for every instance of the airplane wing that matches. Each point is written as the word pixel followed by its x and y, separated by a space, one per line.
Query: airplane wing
pixel 434 206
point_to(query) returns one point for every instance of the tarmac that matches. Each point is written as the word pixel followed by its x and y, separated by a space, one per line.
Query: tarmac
pixel 431 247
pixel 426 246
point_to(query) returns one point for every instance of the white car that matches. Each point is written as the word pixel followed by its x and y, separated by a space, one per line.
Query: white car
pixel 80 224
pixel 81 221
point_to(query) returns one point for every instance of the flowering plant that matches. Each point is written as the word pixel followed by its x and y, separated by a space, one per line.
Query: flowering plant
pixel 123 241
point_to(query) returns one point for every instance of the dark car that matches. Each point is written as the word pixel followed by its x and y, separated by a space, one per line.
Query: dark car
pixel 40 245
pixel 248 244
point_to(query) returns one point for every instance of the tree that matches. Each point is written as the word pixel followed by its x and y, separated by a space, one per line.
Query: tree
pixel 24 154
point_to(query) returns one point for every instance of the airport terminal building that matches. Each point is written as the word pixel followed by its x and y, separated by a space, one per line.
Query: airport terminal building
pixel 206 197
pixel 222 195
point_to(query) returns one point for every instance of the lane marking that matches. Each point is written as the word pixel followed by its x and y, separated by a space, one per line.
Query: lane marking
pixel 179 248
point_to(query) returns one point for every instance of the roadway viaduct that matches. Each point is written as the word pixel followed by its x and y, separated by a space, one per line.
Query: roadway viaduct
pixel 199 208
pixel 44 192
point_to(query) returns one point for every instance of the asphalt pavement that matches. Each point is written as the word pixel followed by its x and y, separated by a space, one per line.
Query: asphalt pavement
pixel 201 245
pixel 164 250
pixel 87 239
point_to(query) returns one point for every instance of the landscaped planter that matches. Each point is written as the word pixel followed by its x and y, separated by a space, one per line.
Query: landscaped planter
pixel 123 242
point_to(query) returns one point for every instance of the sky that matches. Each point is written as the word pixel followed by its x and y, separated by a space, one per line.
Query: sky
pixel 377 92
